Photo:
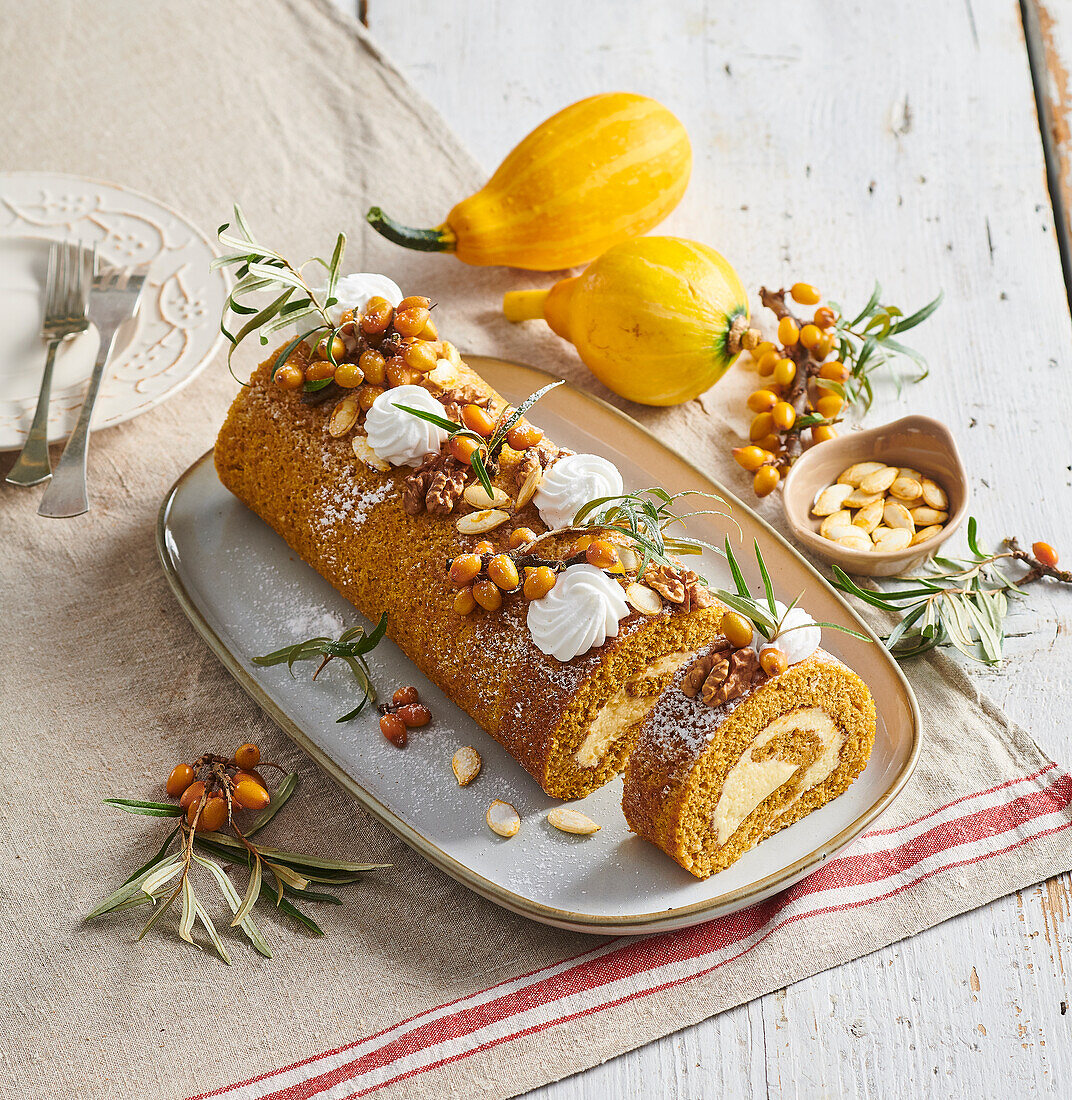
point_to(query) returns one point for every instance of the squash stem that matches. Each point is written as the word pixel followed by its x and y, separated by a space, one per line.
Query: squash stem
pixel 524 305
pixel 440 239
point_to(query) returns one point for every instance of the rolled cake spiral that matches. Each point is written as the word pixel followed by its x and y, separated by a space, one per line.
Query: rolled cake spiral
pixel 706 783
pixel 572 722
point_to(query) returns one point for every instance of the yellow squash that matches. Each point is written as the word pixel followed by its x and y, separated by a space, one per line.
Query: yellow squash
pixel 657 319
pixel 600 171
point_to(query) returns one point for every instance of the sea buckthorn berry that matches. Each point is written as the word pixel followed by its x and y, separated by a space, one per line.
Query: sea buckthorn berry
pixel 835 371
pixel 773 662
pixel 503 572
pixel 488 595
pixel 464 569
pixel 824 347
pixel 483 547
pixel 349 376
pixel 429 332
pixel 374 366
pixel 539 582
pixel 420 357
pixel 788 333
pixel 823 433
pixel 377 317
pixel 462 448
pixel 1044 552
pixel 825 317
pixel 765 481
pixel 192 794
pixel 805 294
pixel 762 425
pixel 338 348
pixel 829 406
pixel 771 443
pixel 213 815
pixel 761 349
pixel 408 322
pixel 250 795
pixel 750 458
pixel 784 416
pixel 414 301
pixel 247 756
pixel 398 374
pixel 810 336
pixel 414 715
pixel 318 371
pixel 367 397
pixel 464 604
pixel 762 401
pixel 182 775
pixel 737 629
pixel 785 370
pixel 403 696
pixel 766 364
pixel 478 420
pixel 289 376
pixel 601 554
pixel 520 536
pixel 523 435
pixel 394 729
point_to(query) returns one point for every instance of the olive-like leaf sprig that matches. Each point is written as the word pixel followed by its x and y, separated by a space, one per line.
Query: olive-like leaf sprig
pixel 151 884
pixel 350 647
pixel 960 602
pixel 259 269
pixel 484 458
pixel 762 612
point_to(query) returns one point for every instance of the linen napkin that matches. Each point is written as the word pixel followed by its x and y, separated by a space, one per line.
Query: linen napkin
pixel 419 987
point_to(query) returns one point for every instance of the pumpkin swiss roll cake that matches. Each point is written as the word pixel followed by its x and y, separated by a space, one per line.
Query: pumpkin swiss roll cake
pixel 369 458
pixel 731 753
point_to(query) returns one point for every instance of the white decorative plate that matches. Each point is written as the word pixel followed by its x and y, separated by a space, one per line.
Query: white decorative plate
pixel 248 593
pixel 177 329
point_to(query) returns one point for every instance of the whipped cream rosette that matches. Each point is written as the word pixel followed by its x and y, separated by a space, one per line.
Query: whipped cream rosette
pixel 571 483
pixel 582 611
pixel 398 436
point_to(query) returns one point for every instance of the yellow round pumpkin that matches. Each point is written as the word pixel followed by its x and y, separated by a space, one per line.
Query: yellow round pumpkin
pixel 658 319
pixel 602 170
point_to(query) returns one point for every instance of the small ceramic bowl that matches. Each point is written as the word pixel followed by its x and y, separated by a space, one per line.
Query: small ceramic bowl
pixel 920 442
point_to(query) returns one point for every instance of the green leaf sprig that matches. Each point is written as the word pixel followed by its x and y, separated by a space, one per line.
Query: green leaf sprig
pixel 484 458
pixel 293 872
pixel 763 612
pixel 260 270
pixel 350 647
pixel 960 602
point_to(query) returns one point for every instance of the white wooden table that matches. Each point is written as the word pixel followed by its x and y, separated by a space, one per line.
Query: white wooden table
pixel 838 142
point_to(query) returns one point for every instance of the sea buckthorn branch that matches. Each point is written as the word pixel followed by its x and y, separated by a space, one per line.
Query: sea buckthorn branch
pixel 204 810
pixel 960 602
pixel 807 389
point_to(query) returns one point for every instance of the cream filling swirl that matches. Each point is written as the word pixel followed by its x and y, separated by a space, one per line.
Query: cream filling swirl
pixel 573 481
pixel 398 436
pixel 581 611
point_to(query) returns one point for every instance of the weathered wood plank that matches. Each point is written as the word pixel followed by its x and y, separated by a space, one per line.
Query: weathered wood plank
pixel 838 143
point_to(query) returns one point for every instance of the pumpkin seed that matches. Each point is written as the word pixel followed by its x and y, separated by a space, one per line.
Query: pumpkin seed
pixel 344 416
pixel 443 374
pixel 629 558
pixel 502 818
pixel 890 539
pixel 870 516
pixel 529 486
pixel 477 496
pixel 855 540
pixel 907 471
pixel 487 519
pixel 857 472
pixel 834 522
pixel 880 480
pixel 926 533
pixel 572 821
pixel 466 764
pixel 934 494
pixel 831 499
pixel 897 515
pixel 367 455
pixel 926 517
pixel 646 600
pixel 906 488
pixel 859 499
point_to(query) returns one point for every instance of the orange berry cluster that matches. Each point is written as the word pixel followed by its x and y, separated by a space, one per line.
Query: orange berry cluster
pixel 404 712
pixel 212 787
pixel 794 372
pixel 521 434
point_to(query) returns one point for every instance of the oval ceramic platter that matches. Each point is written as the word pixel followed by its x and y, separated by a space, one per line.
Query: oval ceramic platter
pixel 248 593
pixel 176 332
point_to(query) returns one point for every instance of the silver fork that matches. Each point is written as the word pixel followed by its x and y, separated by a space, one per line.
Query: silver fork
pixel 115 299
pixel 66 302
